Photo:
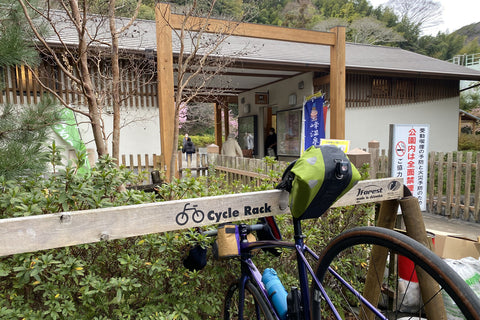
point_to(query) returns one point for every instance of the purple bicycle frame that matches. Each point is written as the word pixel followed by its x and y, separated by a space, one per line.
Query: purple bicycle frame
pixel 250 271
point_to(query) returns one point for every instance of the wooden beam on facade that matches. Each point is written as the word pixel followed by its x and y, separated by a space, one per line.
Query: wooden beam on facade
pixel 252 30
pixel 218 125
pixel 226 122
pixel 166 101
pixel 337 85
pixel 321 81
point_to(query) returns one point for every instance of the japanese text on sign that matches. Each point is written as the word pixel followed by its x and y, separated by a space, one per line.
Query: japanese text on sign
pixel 410 158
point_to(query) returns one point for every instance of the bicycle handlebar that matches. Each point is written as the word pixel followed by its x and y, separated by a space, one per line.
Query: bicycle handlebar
pixel 250 228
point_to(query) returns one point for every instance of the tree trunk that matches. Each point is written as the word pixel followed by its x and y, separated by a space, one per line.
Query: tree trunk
pixel 93 110
pixel 115 84
pixel 173 160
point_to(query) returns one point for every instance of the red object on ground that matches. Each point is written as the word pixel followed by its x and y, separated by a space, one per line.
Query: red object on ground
pixel 406 267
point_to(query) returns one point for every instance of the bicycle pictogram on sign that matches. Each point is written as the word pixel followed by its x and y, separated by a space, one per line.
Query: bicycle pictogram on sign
pixel 197 215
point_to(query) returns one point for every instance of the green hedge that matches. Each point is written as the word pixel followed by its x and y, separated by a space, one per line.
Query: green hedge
pixel 469 142
pixel 137 277
pixel 198 141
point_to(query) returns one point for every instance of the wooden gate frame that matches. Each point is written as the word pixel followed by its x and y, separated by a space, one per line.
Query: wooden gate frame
pixel 166 21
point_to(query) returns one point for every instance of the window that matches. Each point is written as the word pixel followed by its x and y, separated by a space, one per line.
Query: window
pixel 404 89
pixel 23 78
pixel 380 88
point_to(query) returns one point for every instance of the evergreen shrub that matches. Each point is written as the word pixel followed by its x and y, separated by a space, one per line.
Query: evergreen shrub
pixel 137 277
pixel 199 141
pixel 469 142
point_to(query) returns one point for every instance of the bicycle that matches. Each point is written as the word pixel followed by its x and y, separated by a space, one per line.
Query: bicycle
pixel 330 289
pixel 247 298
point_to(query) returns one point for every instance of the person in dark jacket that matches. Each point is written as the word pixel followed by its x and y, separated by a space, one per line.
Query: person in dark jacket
pixel 271 144
pixel 184 143
pixel 189 149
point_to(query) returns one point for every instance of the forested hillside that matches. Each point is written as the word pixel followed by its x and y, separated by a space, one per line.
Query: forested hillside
pixel 472 32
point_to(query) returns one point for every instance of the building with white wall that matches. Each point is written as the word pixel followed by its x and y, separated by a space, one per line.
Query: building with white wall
pixel 384 85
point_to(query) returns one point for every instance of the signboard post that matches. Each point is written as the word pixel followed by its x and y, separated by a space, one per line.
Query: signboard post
pixel 409 157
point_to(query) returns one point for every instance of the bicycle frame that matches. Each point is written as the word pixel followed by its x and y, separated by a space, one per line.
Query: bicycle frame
pixel 250 271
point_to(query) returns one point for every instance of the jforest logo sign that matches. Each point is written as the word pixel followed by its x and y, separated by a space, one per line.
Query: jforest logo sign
pixel 370 192
pixel 376 190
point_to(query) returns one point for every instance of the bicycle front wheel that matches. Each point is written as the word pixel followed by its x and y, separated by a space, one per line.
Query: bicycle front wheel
pixel 344 265
pixel 254 304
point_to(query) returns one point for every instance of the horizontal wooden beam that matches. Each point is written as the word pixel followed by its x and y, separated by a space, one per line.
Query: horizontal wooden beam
pixel 33 233
pixel 321 81
pixel 250 174
pixel 251 30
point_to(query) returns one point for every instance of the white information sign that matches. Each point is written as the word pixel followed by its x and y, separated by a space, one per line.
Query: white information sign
pixel 409 154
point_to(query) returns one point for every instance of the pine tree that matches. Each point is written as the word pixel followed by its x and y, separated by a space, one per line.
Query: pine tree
pixel 23 129
pixel 14 49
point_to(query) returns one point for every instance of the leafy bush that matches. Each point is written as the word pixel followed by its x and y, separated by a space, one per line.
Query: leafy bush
pixel 469 142
pixel 137 277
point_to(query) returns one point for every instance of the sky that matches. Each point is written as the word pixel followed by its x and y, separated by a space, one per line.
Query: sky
pixel 456 14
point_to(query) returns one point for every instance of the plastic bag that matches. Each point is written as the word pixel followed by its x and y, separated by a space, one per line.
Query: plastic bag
pixel 469 270
pixel 409 296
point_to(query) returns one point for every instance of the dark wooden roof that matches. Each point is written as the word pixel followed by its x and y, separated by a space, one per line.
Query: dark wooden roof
pixel 259 61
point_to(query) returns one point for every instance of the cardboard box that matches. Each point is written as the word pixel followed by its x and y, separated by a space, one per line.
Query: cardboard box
pixel 452 247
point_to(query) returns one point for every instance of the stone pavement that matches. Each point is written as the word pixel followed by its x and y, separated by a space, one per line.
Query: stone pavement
pixel 445 226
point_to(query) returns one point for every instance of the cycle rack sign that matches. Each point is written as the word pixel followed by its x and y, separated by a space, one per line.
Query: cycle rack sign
pixel 33 233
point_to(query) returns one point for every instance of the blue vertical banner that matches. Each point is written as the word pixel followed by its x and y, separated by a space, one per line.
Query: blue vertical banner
pixel 314 124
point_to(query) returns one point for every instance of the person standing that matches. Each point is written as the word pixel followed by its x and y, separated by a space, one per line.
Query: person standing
pixel 249 144
pixel 271 144
pixel 184 143
pixel 249 140
pixel 231 147
pixel 189 149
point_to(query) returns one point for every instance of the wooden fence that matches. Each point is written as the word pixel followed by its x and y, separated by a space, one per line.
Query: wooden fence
pixel 246 170
pixel 454 185
pixel 452 182
pixel 147 163
pixel 198 165
pixel 142 163
pixel 452 177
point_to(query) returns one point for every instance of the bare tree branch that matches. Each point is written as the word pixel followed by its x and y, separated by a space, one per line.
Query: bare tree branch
pixel 423 13
pixel 88 59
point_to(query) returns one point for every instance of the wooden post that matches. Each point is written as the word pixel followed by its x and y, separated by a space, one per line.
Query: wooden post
pixel 226 122
pixel 476 215
pixel 180 162
pixel 374 150
pixel 166 103
pixel 415 226
pixel 378 258
pixel 218 125
pixel 337 85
